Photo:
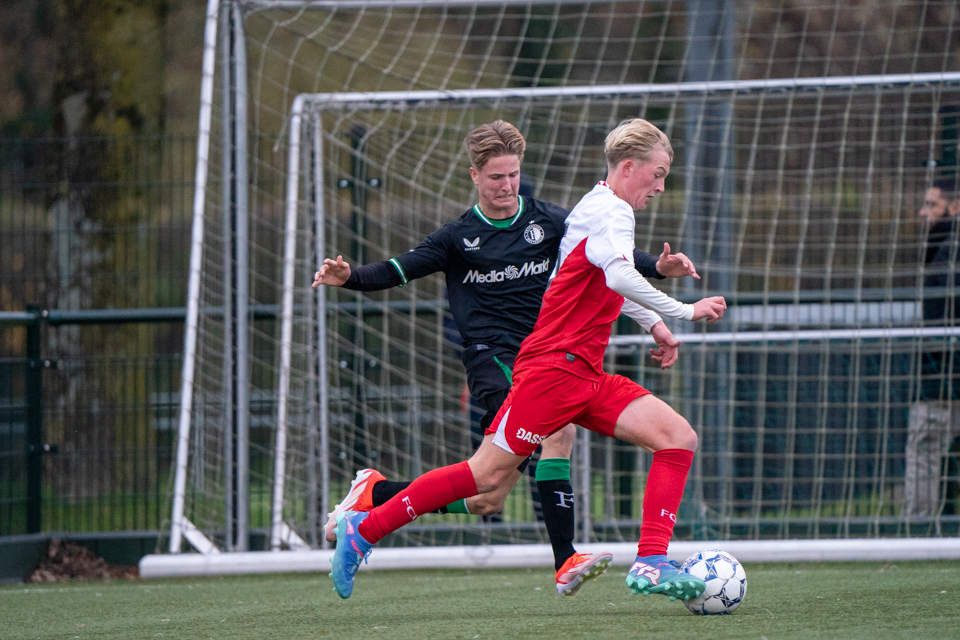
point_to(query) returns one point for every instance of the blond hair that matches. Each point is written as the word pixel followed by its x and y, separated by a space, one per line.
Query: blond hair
pixel 635 139
pixel 493 140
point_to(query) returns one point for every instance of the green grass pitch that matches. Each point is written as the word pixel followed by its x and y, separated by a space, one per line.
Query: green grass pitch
pixel 915 600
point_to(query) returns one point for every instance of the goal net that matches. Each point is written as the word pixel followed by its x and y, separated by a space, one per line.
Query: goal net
pixel 805 138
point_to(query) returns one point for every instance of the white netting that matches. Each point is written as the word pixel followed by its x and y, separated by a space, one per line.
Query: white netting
pixel 798 203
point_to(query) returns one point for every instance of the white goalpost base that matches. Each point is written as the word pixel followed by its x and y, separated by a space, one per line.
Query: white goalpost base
pixel 540 555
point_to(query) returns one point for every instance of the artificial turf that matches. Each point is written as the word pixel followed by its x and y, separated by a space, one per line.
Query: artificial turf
pixel 916 600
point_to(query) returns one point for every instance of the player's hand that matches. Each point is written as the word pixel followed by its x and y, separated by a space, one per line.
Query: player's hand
pixel 710 308
pixel 675 265
pixel 333 273
pixel 666 351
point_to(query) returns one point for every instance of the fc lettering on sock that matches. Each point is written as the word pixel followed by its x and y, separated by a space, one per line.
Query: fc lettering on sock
pixel 413 514
pixel 672 516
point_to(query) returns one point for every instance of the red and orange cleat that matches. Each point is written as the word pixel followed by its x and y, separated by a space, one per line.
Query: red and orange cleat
pixel 359 498
pixel 579 568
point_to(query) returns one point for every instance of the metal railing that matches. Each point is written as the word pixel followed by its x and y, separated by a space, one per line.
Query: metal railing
pixel 93 232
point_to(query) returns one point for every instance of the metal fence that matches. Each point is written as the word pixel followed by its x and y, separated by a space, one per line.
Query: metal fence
pixel 94 247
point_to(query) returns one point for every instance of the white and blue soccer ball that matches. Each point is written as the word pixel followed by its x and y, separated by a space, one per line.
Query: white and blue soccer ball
pixel 725 579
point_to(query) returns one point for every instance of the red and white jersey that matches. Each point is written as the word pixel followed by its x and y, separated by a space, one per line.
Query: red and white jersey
pixel 578 307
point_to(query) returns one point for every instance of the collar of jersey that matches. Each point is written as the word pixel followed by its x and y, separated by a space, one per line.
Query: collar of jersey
pixel 500 224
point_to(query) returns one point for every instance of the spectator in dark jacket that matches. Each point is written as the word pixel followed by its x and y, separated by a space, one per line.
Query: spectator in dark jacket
pixel 935 418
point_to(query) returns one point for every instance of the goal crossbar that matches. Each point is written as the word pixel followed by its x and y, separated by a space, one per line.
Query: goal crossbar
pixel 391 4
pixel 361 99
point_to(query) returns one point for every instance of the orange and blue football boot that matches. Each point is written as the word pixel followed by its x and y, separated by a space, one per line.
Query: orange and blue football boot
pixel 351 550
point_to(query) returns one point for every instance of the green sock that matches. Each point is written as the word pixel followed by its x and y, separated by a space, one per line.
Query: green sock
pixel 553 469
pixel 460 506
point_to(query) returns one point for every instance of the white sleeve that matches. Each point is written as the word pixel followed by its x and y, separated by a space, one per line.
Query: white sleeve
pixel 644 317
pixel 611 235
pixel 623 278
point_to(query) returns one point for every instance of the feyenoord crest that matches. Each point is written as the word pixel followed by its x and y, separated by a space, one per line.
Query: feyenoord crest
pixel 533 234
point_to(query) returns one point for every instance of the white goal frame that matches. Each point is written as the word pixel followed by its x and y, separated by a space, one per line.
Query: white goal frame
pixel 303 104
pixel 310 105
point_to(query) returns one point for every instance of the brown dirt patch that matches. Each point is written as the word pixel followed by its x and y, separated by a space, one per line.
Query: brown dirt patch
pixel 63 561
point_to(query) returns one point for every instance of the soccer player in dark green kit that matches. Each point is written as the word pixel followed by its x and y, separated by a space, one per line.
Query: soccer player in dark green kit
pixel 497 258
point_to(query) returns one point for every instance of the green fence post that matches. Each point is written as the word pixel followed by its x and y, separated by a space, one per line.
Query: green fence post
pixel 34 390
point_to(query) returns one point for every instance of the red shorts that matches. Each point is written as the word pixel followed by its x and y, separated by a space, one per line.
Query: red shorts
pixel 544 399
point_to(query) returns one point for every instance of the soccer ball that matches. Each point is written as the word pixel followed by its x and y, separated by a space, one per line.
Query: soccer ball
pixel 725 579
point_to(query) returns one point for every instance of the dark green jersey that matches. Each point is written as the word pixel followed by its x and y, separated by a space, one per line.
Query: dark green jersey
pixel 496 270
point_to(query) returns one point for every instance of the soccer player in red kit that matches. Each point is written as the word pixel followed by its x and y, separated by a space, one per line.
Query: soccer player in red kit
pixel 517 238
pixel 559 379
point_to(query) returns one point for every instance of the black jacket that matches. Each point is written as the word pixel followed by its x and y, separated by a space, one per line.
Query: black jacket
pixel 940 309
pixel 941 263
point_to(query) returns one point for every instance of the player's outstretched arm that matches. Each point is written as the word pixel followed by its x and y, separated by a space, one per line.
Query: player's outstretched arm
pixel 675 265
pixel 710 309
pixel 375 276
pixel 333 273
pixel 622 278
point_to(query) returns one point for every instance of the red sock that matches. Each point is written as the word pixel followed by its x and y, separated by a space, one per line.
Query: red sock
pixel 427 493
pixel 661 499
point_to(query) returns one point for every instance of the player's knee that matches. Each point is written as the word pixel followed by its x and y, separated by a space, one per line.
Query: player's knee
pixel 686 437
pixel 691 438
pixel 560 444
pixel 491 481
pixel 677 434
pixel 484 506
pixel 485 484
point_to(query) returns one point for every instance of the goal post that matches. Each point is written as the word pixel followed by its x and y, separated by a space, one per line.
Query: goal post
pixel 795 196
pixel 179 524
